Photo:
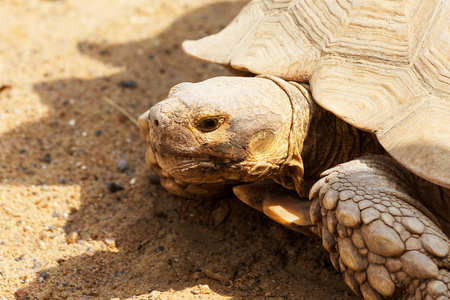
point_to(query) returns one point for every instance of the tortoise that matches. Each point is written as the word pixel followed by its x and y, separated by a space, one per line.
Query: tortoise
pixel 341 126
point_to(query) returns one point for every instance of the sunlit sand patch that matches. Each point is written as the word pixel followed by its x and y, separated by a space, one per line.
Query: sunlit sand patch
pixel 33 221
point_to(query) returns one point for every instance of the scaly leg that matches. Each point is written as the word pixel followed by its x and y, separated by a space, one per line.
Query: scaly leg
pixel 384 241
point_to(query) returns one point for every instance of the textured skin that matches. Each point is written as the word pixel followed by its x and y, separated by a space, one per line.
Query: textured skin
pixel 382 66
pixel 385 246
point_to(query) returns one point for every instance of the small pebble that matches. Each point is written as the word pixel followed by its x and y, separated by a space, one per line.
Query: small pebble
pixel 154 178
pixel 122 165
pixel 114 187
pixel 98 133
pixel 204 289
pixel 56 214
pixel 133 181
pixel 220 214
pixel 110 242
pixel 47 158
pixel 21 293
pixel 72 237
pixel 71 122
pixel 89 251
pixel 128 84
pixel 21 257
pixel 159 249
pixel 44 275
pixel 161 215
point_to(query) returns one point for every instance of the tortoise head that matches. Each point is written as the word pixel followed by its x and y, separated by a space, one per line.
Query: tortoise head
pixel 222 129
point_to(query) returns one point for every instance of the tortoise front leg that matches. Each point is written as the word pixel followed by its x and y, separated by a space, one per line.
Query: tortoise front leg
pixel 375 233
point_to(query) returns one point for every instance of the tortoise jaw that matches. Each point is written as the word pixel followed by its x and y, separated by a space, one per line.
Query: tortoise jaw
pixel 194 164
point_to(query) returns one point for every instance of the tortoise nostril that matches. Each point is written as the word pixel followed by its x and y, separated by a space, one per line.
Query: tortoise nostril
pixel 160 115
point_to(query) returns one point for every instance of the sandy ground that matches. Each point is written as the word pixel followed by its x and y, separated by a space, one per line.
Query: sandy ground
pixel 64 232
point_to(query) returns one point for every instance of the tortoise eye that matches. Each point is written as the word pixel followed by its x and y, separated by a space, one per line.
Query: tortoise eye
pixel 209 124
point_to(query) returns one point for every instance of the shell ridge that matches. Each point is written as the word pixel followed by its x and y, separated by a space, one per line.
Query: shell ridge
pixel 420 48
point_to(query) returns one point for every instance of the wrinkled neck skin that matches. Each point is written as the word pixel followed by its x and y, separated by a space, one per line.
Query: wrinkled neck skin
pixel 331 141
pixel 324 141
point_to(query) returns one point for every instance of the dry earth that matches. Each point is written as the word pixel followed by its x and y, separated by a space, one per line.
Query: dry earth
pixel 63 233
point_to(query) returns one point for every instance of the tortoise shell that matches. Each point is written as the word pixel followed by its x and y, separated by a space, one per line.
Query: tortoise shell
pixel 382 66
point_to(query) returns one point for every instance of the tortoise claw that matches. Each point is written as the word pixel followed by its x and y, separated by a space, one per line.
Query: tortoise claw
pixel 253 194
pixel 279 204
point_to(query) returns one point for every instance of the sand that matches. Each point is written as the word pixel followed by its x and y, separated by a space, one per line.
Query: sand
pixel 67 230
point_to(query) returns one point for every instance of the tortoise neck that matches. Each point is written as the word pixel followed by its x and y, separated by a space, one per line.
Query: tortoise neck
pixel 331 141
pixel 290 171
pixel 318 140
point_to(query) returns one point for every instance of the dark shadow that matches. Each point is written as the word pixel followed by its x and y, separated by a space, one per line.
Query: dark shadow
pixel 153 231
